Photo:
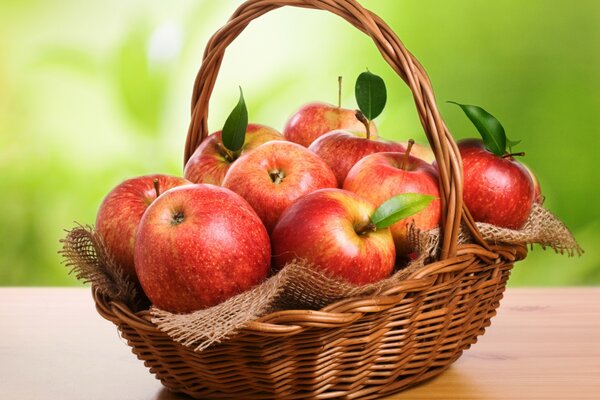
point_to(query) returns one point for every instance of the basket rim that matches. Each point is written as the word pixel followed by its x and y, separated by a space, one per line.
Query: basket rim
pixel 342 312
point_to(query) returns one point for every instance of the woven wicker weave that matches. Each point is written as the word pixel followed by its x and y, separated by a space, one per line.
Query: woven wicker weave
pixel 356 348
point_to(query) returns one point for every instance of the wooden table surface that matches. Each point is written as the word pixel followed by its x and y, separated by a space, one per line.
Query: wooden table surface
pixel 543 344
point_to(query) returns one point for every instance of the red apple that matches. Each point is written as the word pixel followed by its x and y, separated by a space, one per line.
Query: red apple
pixel 380 176
pixel 316 119
pixel 342 149
pixel 331 229
pixel 274 175
pixel 538 198
pixel 199 245
pixel 211 159
pixel 497 190
pixel 121 211
pixel 421 151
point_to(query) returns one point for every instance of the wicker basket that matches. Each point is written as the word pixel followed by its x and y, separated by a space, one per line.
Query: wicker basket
pixel 355 348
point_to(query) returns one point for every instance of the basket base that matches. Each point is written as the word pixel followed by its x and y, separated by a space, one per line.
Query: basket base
pixel 377 356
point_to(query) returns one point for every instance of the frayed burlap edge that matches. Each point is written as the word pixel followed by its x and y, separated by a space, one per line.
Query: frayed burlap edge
pixel 542 227
pixel 85 254
pixel 297 286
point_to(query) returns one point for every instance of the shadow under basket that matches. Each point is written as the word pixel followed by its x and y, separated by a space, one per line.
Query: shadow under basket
pixel 365 347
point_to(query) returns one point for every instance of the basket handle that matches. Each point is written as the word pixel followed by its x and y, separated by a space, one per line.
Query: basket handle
pixel 401 61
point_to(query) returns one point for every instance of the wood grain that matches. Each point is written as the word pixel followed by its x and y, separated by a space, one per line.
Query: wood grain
pixel 544 344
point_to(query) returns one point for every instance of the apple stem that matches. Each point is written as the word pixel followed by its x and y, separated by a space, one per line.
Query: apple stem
pixel 370 227
pixel 339 92
pixel 156 187
pixel 361 117
pixel 177 218
pixel 228 154
pixel 276 176
pixel 519 154
pixel 407 153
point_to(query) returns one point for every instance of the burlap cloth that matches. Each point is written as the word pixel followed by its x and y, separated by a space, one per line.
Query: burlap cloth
pixel 297 286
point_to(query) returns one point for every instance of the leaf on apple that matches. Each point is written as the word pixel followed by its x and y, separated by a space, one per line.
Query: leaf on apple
pixel 234 130
pixel 371 94
pixel 399 207
pixel 490 129
pixel 511 143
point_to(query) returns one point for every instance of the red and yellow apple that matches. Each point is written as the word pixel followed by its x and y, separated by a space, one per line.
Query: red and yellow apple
pixel 199 245
pixel 316 119
pixel 380 176
pixel 121 211
pixel 211 160
pixel 274 175
pixel 331 229
pixel 342 149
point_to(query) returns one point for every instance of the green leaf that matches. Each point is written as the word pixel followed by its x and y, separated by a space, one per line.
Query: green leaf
pixel 490 129
pixel 512 143
pixel 371 94
pixel 234 130
pixel 400 207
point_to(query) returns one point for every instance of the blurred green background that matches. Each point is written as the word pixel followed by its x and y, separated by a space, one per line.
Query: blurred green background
pixel 94 92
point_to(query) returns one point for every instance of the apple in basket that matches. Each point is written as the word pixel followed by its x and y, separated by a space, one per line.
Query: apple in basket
pixel 315 119
pixel 341 149
pixel 497 189
pixel 121 211
pixel 198 245
pixel 342 234
pixel 274 175
pixel 377 177
pixel 212 159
